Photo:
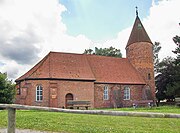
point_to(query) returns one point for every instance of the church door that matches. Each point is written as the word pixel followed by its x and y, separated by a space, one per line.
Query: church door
pixel 69 96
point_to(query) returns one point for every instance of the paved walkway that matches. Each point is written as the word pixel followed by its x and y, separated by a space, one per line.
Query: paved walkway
pixel 25 131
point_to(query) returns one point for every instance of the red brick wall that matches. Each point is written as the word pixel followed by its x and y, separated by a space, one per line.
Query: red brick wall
pixel 80 91
pixel 140 55
pixel 54 92
pixel 30 97
pixel 113 101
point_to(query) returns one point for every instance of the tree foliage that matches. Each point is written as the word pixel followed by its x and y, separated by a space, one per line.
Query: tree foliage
pixel 168 78
pixel 173 88
pixel 164 77
pixel 156 49
pixel 7 89
pixel 176 40
pixel 111 51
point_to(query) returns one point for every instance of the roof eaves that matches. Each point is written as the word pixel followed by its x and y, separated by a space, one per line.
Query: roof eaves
pixel 123 83
pixel 25 79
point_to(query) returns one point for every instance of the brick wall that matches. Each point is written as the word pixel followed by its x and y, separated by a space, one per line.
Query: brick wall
pixel 80 90
pixel 28 93
pixel 54 92
pixel 116 95
pixel 140 55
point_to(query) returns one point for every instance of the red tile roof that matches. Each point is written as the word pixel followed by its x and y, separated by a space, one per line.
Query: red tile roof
pixel 100 69
pixel 114 70
pixel 70 66
pixel 61 66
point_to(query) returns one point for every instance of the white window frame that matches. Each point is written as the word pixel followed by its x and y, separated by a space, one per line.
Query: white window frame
pixel 106 93
pixel 39 93
pixel 127 93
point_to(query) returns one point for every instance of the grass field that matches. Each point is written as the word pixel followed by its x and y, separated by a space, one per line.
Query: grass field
pixel 83 123
pixel 161 109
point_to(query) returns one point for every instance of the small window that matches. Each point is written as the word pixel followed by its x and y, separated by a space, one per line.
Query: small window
pixel 139 26
pixel 106 95
pixel 149 76
pixel 18 91
pixel 39 93
pixel 126 93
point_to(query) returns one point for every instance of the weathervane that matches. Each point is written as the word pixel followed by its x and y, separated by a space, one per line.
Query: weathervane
pixel 136 11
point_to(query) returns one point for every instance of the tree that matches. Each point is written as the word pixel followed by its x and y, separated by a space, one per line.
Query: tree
pixel 164 77
pixel 173 88
pixel 111 51
pixel 88 51
pixel 176 40
pixel 156 49
pixel 7 89
pixel 168 78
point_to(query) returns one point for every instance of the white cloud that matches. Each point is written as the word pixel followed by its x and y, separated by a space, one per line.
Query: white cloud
pixel 29 29
pixel 163 24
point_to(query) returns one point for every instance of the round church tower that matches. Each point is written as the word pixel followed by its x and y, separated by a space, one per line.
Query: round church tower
pixel 139 51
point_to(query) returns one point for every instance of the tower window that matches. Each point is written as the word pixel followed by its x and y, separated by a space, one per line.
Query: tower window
pixel 149 76
pixel 139 26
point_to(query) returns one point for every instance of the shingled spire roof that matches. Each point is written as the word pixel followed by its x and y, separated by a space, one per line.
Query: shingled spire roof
pixel 138 33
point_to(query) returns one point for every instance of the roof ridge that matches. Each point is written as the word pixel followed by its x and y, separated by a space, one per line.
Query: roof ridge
pixel 65 53
pixel 103 56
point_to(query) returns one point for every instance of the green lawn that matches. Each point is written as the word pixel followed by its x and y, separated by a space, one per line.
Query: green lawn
pixel 83 123
pixel 161 109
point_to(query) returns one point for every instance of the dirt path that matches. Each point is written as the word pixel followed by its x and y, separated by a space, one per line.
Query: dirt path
pixel 25 131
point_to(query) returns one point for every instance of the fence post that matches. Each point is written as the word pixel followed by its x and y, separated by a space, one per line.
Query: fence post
pixel 11 120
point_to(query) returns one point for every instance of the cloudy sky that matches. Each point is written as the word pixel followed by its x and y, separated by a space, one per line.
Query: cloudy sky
pixel 29 29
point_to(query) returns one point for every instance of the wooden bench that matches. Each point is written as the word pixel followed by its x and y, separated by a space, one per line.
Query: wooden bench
pixel 177 101
pixel 77 104
pixel 148 103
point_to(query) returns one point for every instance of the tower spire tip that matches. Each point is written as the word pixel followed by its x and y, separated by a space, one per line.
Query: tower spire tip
pixel 136 11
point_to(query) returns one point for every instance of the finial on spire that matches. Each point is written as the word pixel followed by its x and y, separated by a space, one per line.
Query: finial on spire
pixel 136 11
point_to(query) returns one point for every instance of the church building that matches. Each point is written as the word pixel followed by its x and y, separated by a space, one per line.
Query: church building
pixel 104 81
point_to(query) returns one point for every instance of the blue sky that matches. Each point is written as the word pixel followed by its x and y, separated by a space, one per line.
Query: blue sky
pixel 101 19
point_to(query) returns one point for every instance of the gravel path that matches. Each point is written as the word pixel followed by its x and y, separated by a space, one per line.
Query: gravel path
pixel 25 131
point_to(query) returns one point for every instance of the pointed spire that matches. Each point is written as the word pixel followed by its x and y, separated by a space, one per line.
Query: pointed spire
pixel 138 33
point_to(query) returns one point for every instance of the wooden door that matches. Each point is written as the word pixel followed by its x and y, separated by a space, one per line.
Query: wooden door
pixel 69 96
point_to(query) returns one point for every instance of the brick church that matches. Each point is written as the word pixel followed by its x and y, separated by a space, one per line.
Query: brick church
pixel 104 81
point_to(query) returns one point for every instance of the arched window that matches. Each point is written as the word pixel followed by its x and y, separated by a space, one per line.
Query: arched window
pixel 106 95
pixel 126 93
pixel 39 93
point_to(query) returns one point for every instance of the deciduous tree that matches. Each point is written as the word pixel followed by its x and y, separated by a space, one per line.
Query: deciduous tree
pixel 7 89
pixel 111 51
pixel 156 49
pixel 168 78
